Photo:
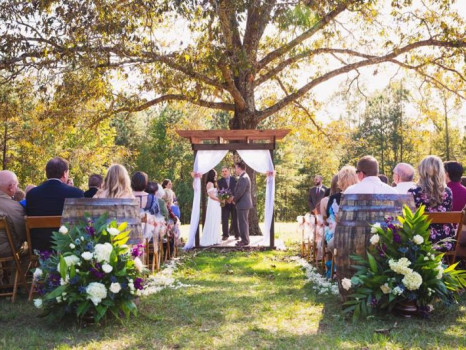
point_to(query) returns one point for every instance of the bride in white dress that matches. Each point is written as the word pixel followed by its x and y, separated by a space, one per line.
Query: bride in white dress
pixel 211 230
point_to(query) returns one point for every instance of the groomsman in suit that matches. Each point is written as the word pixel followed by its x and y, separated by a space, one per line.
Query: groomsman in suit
pixel 316 193
pixel 228 182
pixel 243 202
pixel 48 199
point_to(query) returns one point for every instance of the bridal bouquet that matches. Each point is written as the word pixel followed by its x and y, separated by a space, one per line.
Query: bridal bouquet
pixel 92 272
pixel 402 269
pixel 224 194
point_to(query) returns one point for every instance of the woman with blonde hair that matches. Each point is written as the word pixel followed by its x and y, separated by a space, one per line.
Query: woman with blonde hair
pixel 432 191
pixel 117 183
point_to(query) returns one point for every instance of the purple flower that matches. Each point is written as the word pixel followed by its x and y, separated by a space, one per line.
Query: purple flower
pixel 54 279
pixel 82 290
pixel 388 219
pixel 90 230
pixel 139 283
pixel 96 272
pixel 382 249
pixel 374 302
pixel 396 238
pixel 45 255
pixel 137 250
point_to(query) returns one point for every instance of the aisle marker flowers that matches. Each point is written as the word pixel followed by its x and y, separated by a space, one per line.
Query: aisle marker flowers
pixel 401 266
pixel 91 272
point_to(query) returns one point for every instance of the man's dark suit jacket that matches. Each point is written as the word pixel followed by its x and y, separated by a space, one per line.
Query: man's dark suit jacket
pixel 315 196
pixel 90 192
pixel 222 184
pixel 48 199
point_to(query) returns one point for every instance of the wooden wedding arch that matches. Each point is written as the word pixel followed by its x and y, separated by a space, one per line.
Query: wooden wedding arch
pixel 232 140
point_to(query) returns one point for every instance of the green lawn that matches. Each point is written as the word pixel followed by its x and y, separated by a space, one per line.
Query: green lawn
pixel 236 300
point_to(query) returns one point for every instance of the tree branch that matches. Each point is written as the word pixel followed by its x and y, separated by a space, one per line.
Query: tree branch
pixel 304 36
pixel 173 97
pixel 371 60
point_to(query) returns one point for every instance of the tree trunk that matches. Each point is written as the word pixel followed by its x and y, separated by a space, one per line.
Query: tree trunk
pixel 5 139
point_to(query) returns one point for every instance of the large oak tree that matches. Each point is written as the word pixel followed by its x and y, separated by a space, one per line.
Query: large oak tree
pixel 251 58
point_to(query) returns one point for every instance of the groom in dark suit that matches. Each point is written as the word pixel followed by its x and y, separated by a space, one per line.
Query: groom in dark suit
pixel 48 199
pixel 228 182
pixel 243 202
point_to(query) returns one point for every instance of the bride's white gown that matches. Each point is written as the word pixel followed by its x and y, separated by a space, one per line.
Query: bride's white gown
pixel 211 229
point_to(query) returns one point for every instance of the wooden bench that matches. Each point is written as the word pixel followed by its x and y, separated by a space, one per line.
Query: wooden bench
pixel 450 217
pixel 33 222
pixel 15 258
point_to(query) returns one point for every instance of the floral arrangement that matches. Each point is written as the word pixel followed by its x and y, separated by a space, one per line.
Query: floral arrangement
pixel 91 272
pixel 401 266
pixel 320 284
pixel 224 194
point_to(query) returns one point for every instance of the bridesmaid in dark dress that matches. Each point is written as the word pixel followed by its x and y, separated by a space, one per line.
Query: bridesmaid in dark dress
pixel 432 192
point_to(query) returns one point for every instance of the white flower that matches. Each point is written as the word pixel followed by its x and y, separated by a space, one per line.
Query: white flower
pixel 385 288
pixel 96 292
pixel 38 303
pixel 107 268
pixel 72 246
pixel 418 239
pixel 400 266
pixel 64 281
pixel 138 264
pixel 102 251
pixel 82 238
pixel 375 239
pixel 397 291
pixel 58 300
pixel 63 230
pixel 113 231
pixel 440 271
pixel 412 281
pixel 37 274
pixel 375 227
pixel 87 256
pixel 346 283
pixel 115 287
pixel 70 260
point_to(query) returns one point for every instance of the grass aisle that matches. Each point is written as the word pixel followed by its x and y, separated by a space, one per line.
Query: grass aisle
pixel 237 300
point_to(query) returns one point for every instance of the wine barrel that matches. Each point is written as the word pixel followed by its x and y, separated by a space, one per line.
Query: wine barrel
pixel 119 209
pixel 353 232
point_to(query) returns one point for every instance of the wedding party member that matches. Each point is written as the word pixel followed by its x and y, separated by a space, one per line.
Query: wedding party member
pixel 210 232
pixel 117 183
pixel 367 170
pixel 316 193
pixel 48 199
pixel 243 202
pixel 432 192
pixel 12 211
pixel 453 172
pixel 228 182
pixel 403 175
pixel 94 183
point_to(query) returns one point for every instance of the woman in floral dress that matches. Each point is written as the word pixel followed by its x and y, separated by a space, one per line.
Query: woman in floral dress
pixel 432 192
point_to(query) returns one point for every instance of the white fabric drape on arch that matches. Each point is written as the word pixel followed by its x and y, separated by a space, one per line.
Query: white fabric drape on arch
pixel 261 161
pixel 205 160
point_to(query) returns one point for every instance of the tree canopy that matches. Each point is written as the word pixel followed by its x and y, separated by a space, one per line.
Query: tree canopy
pixel 249 57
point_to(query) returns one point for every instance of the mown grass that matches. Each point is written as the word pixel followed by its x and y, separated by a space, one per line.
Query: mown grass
pixel 237 300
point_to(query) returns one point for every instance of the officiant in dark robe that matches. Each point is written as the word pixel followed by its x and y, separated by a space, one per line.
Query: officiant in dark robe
pixel 228 182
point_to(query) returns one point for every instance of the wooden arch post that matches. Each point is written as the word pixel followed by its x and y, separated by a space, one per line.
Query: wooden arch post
pixel 233 140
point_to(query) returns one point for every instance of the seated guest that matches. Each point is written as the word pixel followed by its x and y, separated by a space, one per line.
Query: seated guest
pixel 94 183
pixel 368 170
pixel 453 172
pixel 19 195
pixel 383 178
pixel 116 184
pixel 48 199
pixel 328 192
pixel 154 188
pixel 346 177
pixel 403 175
pixel 13 211
pixel 432 192
pixel 28 188
pixel 138 184
pixel 170 197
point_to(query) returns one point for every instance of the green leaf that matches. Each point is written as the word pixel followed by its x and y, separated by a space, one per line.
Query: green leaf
pixel 63 267
pixel 372 263
pixel 83 307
